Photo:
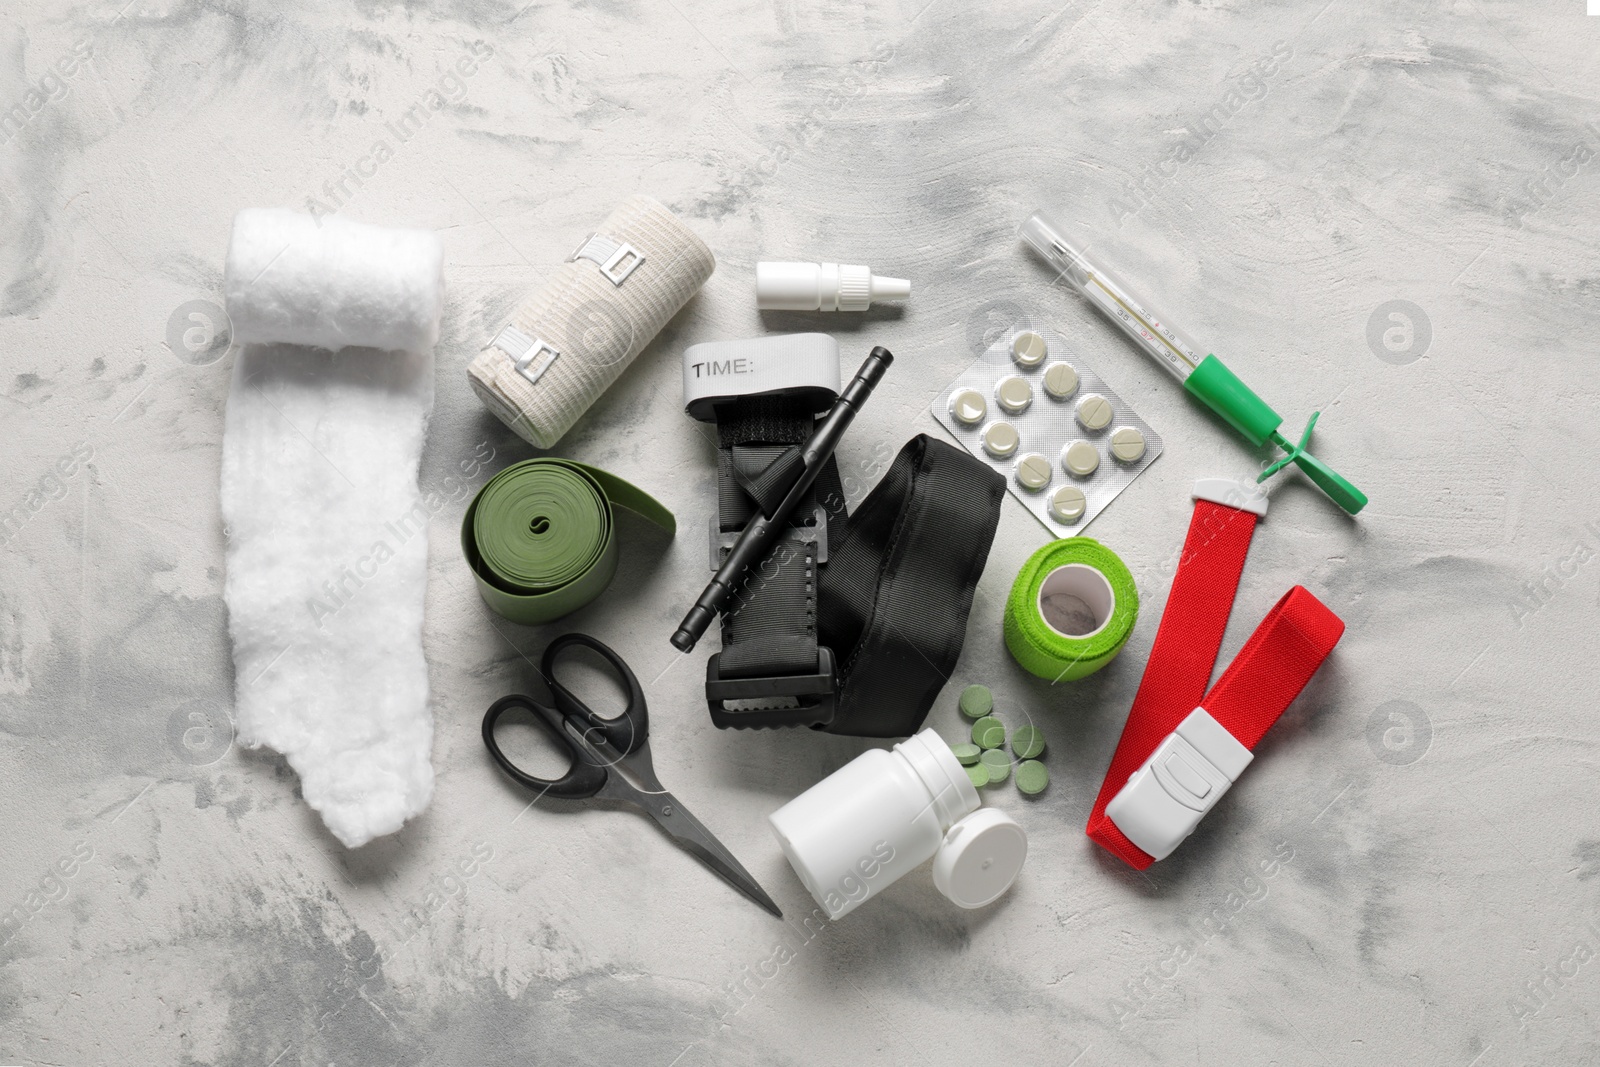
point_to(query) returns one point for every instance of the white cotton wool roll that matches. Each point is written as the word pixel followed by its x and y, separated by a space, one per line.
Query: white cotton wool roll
pixel 327 282
pixel 327 560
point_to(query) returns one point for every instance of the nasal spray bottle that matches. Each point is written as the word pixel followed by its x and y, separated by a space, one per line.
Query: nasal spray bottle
pixel 889 811
pixel 823 287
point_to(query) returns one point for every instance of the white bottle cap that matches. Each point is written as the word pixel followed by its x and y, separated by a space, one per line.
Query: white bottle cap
pixel 981 856
pixel 823 287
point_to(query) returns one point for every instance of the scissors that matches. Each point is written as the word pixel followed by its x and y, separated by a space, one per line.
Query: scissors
pixel 601 749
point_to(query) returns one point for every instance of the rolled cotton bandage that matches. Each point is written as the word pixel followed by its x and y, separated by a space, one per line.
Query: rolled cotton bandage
pixel 327 558
pixel 576 335
pixel 327 282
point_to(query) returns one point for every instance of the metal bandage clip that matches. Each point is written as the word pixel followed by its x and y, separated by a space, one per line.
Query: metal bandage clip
pixel 617 259
pixel 523 350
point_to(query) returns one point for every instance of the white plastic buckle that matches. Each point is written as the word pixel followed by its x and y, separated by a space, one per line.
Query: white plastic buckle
pixel 617 259
pixel 1183 779
pixel 523 350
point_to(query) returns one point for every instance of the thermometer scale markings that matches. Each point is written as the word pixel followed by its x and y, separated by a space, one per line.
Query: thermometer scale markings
pixel 1150 330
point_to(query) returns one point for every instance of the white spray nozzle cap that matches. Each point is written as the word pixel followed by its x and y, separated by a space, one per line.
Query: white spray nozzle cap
pixel 823 287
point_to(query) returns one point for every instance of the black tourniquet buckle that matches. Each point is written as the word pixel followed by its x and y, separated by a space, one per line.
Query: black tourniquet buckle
pixel 780 700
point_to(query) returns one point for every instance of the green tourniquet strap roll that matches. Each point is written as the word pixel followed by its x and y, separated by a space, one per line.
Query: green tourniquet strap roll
pixel 1041 649
pixel 540 536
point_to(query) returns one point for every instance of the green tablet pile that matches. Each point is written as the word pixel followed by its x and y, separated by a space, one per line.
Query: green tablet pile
pixel 985 759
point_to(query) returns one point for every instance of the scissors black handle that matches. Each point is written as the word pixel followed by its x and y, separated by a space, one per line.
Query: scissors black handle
pixel 583 778
pixel 625 733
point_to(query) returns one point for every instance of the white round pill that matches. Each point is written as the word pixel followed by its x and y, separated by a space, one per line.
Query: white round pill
pixel 1094 411
pixel 1067 504
pixel 1127 444
pixel 1000 439
pixel 1060 380
pixel 1028 349
pixel 1014 394
pixel 1033 472
pixel 968 406
pixel 1080 458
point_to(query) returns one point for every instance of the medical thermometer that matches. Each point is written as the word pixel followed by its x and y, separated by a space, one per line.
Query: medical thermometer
pixel 1204 376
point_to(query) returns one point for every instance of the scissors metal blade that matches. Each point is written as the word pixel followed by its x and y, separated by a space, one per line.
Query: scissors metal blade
pixel 691 835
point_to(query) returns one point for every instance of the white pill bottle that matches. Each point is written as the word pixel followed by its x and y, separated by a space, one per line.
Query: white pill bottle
pixel 889 811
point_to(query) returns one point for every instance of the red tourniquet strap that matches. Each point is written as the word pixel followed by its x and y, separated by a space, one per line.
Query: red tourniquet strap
pixel 1274 665
pixel 1185 651
pixel 1269 672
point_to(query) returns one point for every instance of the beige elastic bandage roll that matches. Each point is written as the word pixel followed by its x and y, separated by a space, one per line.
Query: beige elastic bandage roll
pixel 568 342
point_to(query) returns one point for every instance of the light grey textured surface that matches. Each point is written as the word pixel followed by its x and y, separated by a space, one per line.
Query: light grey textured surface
pixel 1434 896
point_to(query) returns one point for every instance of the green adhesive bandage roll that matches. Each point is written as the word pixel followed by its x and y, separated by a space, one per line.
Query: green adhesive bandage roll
pixel 1071 609
pixel 540 536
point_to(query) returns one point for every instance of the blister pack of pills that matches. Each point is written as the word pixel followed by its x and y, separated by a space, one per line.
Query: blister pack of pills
pixel 1065 442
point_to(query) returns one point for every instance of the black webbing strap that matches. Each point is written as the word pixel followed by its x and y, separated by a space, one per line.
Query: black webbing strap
pixel 771 626
pixel 756 462
pixel 881 624
pixel 897 590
